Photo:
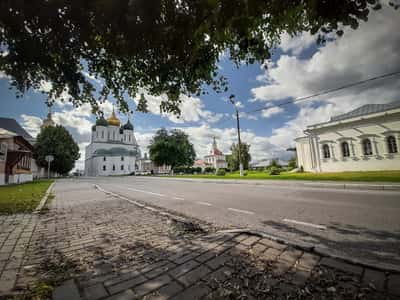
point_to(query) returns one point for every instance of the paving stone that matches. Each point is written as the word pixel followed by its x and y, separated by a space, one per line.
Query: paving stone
pixel 7 280
pixel 151 285
pixel 160 270
pixel 95 292
pixel 270 254
pixel 120 278
pixel 124 285
pixel 290 255
pixel 194 275
pixel 250 240
pixel 125 295
pixel 197 291
pixel 340 265
pixel 272 244
pixel 182 269
pixel 258 248
pixel 308 261
pixel 394 284
pixel 377 278
pixel 66 291
pixel 205 256
pixel 218 261
pixel 166 292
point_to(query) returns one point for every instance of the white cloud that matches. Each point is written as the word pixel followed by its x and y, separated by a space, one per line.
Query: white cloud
pixel 31 124
pixel 192 109
pixel 358 55
pixel 272 111
pixel 298 43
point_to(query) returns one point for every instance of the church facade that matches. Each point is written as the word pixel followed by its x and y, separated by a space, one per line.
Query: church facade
pixel 365 139
pixel 113 149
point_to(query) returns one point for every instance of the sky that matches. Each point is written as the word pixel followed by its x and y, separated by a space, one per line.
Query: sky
pixel 299 67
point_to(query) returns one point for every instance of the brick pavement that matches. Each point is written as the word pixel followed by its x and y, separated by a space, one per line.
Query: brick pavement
pixel 112 249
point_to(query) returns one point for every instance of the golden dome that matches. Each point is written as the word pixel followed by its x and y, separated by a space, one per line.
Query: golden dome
pixel 113 120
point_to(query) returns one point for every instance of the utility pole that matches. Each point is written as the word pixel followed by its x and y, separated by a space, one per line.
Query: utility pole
pixel 238 133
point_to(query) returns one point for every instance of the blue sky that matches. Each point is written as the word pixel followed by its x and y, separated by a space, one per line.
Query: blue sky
pixel 298 68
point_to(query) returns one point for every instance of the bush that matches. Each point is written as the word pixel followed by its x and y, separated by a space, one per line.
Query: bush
pixel 221 172
pixel 274 171
pixel 209 170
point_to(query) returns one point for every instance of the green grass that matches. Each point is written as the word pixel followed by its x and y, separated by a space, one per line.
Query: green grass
pixel 373 176
pixel 23 197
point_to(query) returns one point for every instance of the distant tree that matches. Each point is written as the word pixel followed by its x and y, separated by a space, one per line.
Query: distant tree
pixel 167 47
pixel 56 141
pixel 292 164
pixel 233 159
pixel 273 164
pixel 172 148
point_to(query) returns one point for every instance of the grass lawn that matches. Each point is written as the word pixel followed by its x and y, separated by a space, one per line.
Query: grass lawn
pixel 23 197
pixel 376 176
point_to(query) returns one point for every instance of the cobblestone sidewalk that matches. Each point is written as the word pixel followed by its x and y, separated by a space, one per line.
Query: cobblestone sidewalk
pixel 93 246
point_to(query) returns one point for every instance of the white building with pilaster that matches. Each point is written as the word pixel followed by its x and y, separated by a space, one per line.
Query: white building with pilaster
pixel 113 149
pixel 365 139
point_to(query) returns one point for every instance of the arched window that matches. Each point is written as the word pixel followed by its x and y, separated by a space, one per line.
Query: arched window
pixel 391 143
pixel 104 168
pixel 122 158
pixel 367 147
pixel 345 149
pixel 122 167
pixel 104 158
pixel 326 152
pixel 102 134
pixel 113 167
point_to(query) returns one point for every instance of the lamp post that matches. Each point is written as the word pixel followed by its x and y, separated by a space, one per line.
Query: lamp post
pixel 49 159
pixel 238 133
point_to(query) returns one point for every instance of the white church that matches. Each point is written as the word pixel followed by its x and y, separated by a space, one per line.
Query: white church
pixel 365 139
pixel 113 149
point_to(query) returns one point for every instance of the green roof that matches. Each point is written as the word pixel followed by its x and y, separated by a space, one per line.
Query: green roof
pixel 101 121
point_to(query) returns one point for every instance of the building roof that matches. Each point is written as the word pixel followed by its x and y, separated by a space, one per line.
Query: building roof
pixel 128 126
pixel 13 126
pixel 366 110
pixel 113 120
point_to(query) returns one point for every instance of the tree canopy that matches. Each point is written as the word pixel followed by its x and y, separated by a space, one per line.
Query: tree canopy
pixel 56 141
pixel 233 159
pixel 161 46
pixel 172 148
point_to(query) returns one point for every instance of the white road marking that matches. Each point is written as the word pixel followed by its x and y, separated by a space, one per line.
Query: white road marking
pixel 241 211
pixel 203 203
pixel 178 198
pixel 322 227
pixel 146 192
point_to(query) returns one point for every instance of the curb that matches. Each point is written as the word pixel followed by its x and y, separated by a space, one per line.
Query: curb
pixel 317 250
pixel 294 183
pixel 44 199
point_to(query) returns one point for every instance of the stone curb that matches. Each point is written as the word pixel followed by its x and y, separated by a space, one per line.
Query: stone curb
pixel 317 250
pixel 320 184
pixel 44 199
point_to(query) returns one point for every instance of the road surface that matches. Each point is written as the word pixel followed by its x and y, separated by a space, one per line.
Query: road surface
pixel 363 224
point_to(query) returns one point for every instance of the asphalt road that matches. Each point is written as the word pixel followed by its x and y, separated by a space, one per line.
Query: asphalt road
pixel 363 224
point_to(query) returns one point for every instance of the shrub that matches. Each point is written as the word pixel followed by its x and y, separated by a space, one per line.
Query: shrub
pixel 209 170
pixel 274 171
pixel 221 172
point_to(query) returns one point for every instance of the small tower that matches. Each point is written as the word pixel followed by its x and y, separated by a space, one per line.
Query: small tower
pixel 48 121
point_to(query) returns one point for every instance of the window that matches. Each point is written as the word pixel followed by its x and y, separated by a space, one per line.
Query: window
pixel 122 167
pixel 391 143
pixel 122 158
pixel 345 149
pixel 129 137
pixel 104 168
pixel 113 167
pixel 102 134
pixel 325 151
pixel 113 135
pixel 104 158
pixel 367 147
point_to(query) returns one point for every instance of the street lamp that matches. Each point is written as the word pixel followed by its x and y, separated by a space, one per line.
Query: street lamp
pixel 49 159
pixel 238 133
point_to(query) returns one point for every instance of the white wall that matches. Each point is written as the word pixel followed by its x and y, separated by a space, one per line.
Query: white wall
pixel 94 166
pixel 19 178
